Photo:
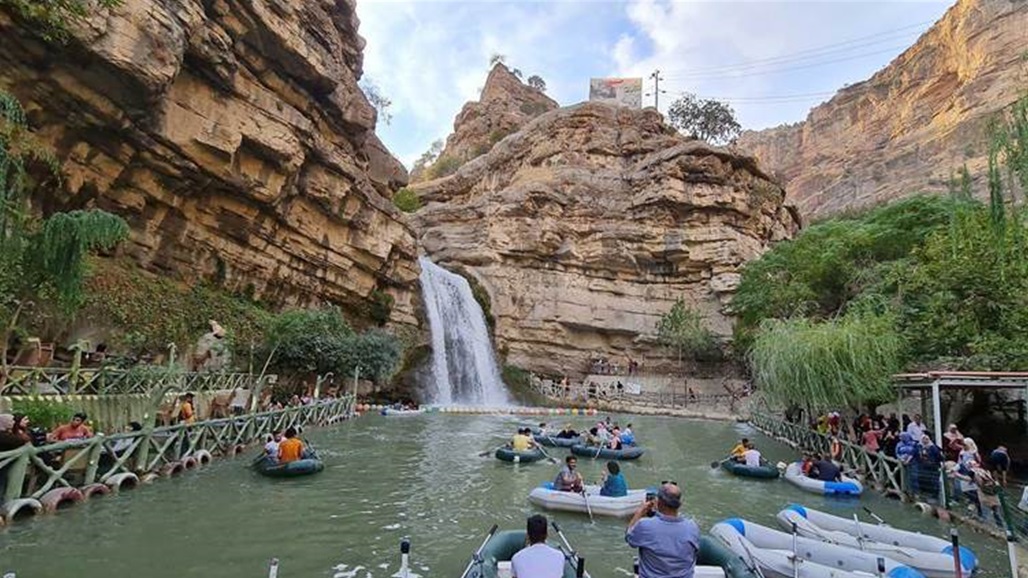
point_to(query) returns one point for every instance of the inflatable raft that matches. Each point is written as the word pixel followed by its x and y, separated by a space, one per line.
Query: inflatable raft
pixel 625 453
pixel 932 556
pixel 780 562
pixel 846 487
pixel 555 442
pixel 265 466
pixel 509 455
pixel 714 554
pixel 763 472
pixel 546 497
pixel 818 552
pixel 390 411
pixel 501 547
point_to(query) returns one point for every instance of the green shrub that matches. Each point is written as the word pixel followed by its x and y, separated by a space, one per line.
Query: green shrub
pixel 444 166
pixel 407 200
pixel 43 413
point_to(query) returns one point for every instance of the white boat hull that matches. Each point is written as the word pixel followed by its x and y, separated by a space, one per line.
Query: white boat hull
pixel 551 499
pixel 846 487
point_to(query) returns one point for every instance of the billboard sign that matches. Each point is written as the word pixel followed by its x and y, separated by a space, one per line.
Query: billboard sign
pixel 620 91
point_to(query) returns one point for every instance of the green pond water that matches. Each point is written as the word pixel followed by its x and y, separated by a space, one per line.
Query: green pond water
pixel 386 478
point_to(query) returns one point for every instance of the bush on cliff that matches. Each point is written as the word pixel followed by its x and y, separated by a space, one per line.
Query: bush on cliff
pixel 406 200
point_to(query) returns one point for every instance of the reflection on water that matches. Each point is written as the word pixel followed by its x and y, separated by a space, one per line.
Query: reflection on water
pixel 386 478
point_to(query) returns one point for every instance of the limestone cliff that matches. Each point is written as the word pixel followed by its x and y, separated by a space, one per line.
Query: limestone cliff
pixel 912 124
pixel 505 105
pixel 234 139
pixel 587 224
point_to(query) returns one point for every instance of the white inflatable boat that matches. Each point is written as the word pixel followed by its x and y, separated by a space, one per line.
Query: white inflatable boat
pixel 846 487
pixel 780 563
pixel 931 555
pixel 391 411
pixel 546 497
pixel 824 553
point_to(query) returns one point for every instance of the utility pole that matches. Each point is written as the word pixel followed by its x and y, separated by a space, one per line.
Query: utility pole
pixel 656 88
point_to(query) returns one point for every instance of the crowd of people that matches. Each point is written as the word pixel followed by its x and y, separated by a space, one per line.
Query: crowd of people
pixel 975 479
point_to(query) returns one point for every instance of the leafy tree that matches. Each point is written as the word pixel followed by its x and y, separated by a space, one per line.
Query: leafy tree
pixel 843 362
pixel 709 120
pixel 443 166
pixel 497 58
pixel 517 72
pixel 40 261
pixel 681 330
pixel 53 17
pixel 377 99
pixel 536 82
pixel 428 157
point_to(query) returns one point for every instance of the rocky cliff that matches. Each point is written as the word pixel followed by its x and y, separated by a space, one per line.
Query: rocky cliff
pixel 586 225
pixel 234 139
pixel 505 105
pixel 912 124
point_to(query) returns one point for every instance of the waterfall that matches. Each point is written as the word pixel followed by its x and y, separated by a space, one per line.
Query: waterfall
pixel 463 365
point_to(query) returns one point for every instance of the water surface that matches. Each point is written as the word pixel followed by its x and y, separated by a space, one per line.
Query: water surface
pixel 386 478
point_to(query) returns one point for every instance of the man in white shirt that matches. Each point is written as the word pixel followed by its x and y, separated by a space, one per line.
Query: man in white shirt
pixel 537 560
pixel 916 428
pixel 751 456
pixel 271 448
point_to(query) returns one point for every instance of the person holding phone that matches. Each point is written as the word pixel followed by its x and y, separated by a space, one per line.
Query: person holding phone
pixel 668 543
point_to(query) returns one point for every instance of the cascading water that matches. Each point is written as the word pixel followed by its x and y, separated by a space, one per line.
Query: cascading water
pixel 463 365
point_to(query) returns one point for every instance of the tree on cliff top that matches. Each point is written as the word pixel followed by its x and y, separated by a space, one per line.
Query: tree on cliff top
pixel 708 120
pixel 681 330
pixel 537 82
pixel 377 99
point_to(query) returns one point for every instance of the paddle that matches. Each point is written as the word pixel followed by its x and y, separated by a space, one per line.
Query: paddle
pixel 717 464
pixel 541 450
pixel 578 562
pixel 753 565
pixel 476 558
pixel 588 508
pixel 492 451
pixel 795 554
pixel 880 521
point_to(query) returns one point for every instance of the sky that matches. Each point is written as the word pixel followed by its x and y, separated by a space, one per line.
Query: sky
pixel 771 60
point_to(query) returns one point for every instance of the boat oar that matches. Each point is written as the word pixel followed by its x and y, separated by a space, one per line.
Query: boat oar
pixel 717 464
pixel 588 508
pixel 273 568
pixel 492 451
pixel 546 455
pixel 860 534
pixel 476 558
pixel 795 554
pixel 754 565
pixel 875 516
pixel 577 562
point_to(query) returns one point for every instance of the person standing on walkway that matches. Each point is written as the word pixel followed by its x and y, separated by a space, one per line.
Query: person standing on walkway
pixel 186 411
pixel 668 544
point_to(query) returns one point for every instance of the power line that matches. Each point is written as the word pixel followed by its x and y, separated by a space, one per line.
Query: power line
pixel 731 73
pixel 816 51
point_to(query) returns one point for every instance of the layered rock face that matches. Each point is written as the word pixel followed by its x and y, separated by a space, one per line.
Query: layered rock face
pixel 233 138
pixel 586 226
pixel 505 105
pixel 913 124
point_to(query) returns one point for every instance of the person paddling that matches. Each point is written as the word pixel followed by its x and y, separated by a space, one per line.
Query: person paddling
pixel 521 442
pixel 614 484
pixel 739 448
pixel 569 480
pixel 291 448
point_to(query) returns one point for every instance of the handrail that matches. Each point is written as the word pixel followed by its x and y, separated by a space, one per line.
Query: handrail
pixel 35 470
pixel 20 380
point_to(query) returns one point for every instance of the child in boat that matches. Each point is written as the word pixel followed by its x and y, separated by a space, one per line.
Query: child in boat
pixel 627 436
pixel 291 448
pixel 613 482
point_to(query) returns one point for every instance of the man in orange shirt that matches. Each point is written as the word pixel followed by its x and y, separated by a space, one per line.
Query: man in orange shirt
pixel 77 429
pixel 186 412
pixel 291 448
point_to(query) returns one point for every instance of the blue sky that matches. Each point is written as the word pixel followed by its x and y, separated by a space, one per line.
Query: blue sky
pixel 772 60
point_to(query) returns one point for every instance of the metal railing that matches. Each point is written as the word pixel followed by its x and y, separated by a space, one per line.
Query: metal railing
pixel 32 471
pixel 105 380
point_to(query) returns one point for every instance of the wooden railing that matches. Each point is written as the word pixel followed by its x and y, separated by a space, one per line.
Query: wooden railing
pixel 887 474
pixel 105 380
pixel 33 471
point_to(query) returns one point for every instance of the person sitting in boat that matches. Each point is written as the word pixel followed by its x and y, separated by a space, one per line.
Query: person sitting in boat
pixel 668 544
pixel 627 436
pixel 290 449
pixel 739 449
pixel 271 446
pixel 750 457
pixel 537 560
pixel 566 433
pixel 614 484
pixel 615 440
pixel 807 463
pixel 522 441
pixel 602 434
pixel 826 471
pixel 569 480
